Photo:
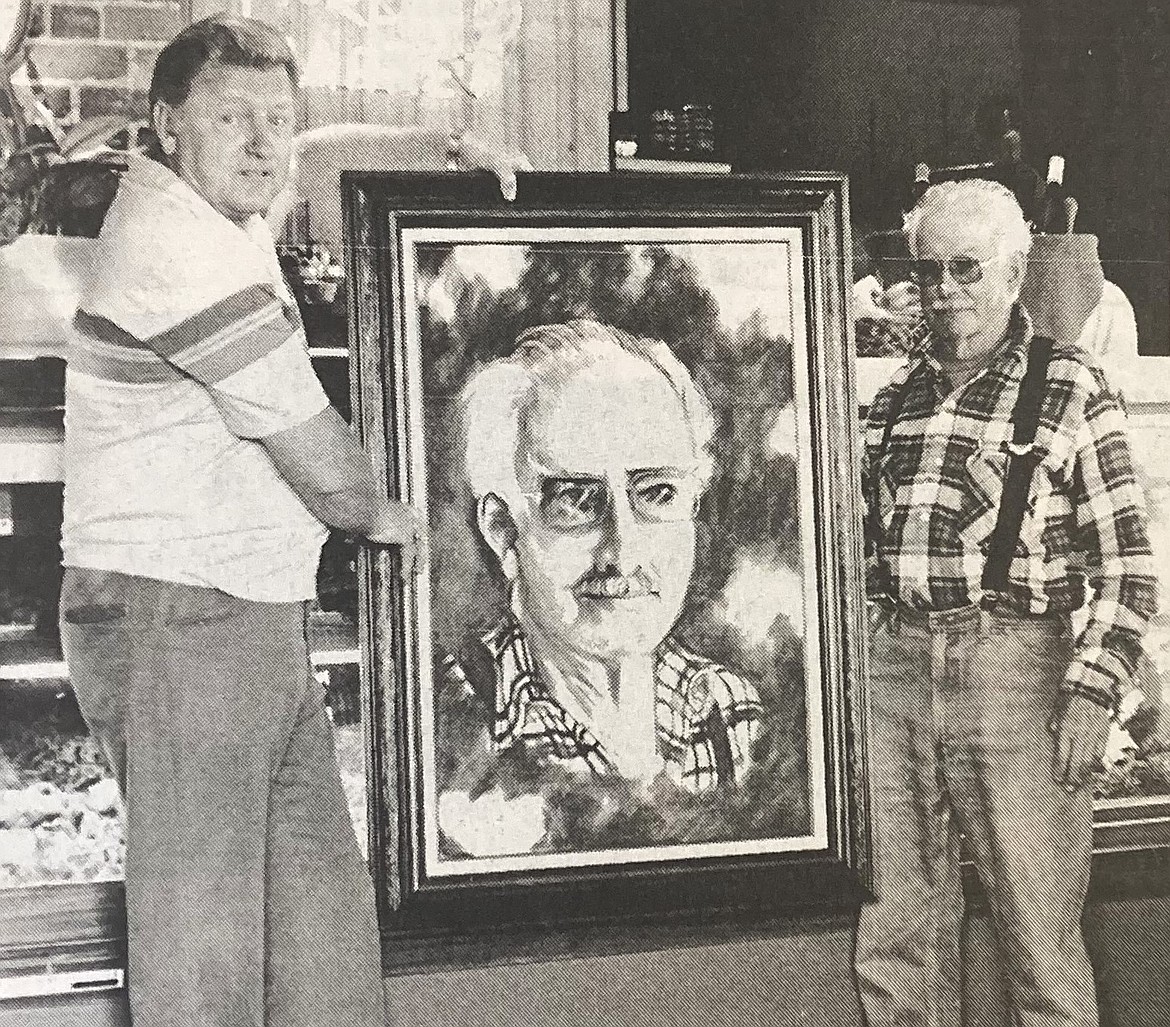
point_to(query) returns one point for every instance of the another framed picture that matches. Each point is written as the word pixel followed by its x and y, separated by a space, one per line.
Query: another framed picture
pixel 1133 792
pixel 626 687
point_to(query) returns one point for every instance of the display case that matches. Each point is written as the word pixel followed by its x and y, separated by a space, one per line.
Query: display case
pixel 1134 791
pixel 61 817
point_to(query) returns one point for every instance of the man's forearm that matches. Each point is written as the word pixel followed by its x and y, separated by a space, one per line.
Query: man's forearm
pixel 351 510
pixel 323 464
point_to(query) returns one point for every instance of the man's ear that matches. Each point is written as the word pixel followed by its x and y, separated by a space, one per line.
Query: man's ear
pixel 1017 265
pixel 161 119
pixel 1017 268
pixel 499 532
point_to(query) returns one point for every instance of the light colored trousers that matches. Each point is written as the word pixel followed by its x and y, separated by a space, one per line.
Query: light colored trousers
pixel 247 899
pixel 960 706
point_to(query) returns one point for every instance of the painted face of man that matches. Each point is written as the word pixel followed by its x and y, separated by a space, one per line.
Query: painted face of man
pixel 231 138
pixel 605 533
pixel 967 285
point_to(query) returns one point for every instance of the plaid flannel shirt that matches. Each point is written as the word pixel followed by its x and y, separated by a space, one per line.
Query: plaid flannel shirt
pixel 707 716
pixel 937 493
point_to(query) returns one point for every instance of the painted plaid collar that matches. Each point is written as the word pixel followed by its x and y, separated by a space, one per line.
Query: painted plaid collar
pixel 707 716
pixel 937 490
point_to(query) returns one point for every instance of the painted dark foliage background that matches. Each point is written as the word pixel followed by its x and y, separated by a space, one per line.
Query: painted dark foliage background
pixel 744 604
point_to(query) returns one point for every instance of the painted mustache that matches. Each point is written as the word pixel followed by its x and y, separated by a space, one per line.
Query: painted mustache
pixel 611 585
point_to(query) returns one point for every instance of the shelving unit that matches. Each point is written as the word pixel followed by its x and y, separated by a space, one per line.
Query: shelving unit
pixel 31 449
pixel 65 876
pixel 31 414
pixel 30 445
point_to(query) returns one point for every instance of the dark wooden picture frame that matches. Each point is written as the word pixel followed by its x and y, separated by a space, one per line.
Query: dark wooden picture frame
pixel 429 903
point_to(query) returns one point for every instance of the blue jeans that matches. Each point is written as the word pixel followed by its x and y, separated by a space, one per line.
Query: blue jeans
pixel 248 902
pixel 960 702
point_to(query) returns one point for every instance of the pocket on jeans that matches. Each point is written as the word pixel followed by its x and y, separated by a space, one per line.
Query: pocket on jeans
pixel 95 613
pixel 189 607
pixel 1021 661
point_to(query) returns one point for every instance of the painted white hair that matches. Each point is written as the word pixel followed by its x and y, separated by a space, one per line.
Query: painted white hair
pixel 498 396
pixel 975 201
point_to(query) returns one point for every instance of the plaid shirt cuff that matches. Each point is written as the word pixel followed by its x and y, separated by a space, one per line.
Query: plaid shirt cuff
pixel 1092 684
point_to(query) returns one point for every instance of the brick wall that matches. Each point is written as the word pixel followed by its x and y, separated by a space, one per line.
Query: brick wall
pixel 96 58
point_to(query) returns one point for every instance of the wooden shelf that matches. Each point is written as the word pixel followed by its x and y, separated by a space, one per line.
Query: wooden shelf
pixel 31 443
pixel 30 658
pixel 668 165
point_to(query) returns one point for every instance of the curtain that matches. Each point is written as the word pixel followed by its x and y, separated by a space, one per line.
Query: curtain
pixel 529 75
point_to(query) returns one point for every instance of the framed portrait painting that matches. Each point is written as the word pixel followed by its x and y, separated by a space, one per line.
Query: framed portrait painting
pixel 624 683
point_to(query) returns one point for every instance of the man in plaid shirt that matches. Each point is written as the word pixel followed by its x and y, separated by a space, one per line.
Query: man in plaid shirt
pixel 989 713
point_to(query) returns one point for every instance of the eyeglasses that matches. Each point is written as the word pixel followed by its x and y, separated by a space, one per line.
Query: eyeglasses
pixel 964 270
pixel 582 504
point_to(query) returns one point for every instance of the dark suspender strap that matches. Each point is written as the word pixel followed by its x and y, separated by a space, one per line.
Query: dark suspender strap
pixel 1021 467
pixel 874 518
pixel 897 401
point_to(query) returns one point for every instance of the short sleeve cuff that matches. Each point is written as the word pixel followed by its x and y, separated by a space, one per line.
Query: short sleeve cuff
pixel 272 394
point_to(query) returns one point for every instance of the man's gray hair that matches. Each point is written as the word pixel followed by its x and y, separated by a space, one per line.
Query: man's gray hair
pixel 499 395
pixel 976 201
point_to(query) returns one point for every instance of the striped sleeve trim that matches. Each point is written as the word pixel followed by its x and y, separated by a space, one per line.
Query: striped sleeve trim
pixel 227 336
pixel 100 349
pixel 215 343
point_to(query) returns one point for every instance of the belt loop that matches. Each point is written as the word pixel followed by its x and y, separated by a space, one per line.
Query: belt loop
pixel 985 615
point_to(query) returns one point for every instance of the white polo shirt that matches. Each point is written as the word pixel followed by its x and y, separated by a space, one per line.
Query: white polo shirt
pixel 186 352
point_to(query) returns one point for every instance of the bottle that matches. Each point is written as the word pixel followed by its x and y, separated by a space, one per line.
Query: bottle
pixel 664 132
pixel 622 136
pixel 697 130
pixel 1054 216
